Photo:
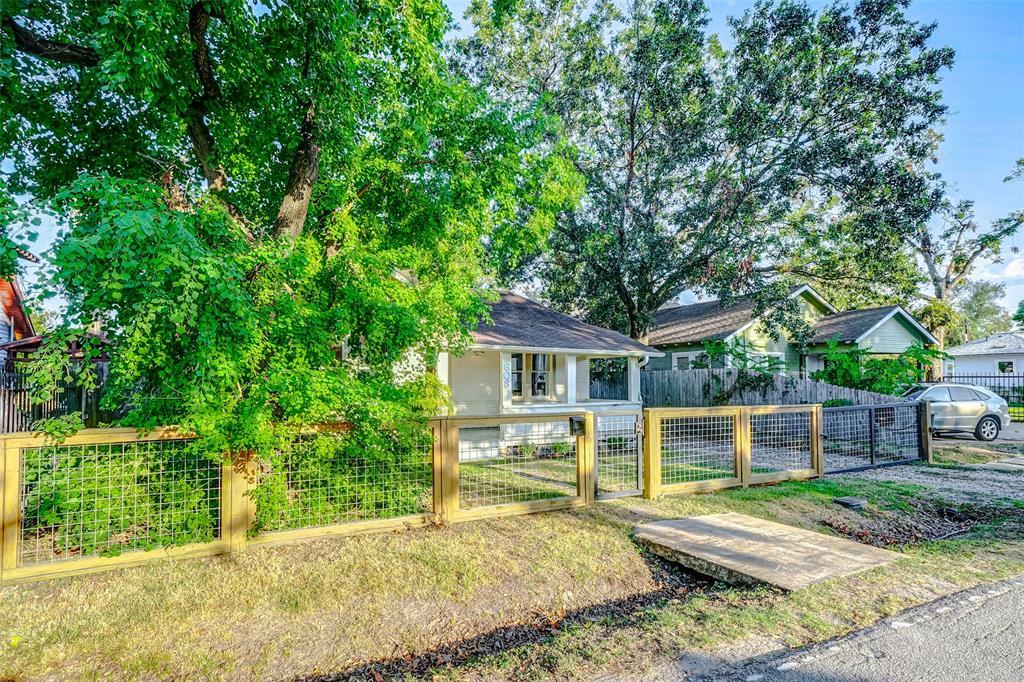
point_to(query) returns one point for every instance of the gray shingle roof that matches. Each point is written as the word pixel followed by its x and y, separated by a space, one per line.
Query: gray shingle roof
pixel 519 322
pixel 700 321
pixel 996 344
pixel 848 326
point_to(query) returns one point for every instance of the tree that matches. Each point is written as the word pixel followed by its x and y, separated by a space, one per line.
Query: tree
pixel 268 204
pixel 709 168
pixel 978 312
pixel 891 375
pixel 951 246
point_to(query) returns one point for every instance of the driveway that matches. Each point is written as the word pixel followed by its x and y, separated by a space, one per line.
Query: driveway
pixel 1011 434
pixel 977 634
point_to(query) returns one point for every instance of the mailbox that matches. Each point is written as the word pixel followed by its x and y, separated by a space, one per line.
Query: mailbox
pixel 577 426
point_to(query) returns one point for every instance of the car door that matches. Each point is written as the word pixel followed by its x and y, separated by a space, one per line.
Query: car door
pixel 969 407
pixel 944 416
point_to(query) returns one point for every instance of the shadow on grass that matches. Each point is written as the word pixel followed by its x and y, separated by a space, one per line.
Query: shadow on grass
pixel 675 583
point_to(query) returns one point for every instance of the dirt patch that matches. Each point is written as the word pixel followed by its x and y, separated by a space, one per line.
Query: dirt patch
pixel 926 519
pixel 673 583
pixel 954 484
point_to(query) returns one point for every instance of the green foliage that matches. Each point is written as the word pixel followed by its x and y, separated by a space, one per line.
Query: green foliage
pixel 563 448
pixel 979 312
pixel 714 170
pixel 856 368
pixel 837 402
pixel 268 207
pixel 106 499
pixel 755 373
pixel 333 478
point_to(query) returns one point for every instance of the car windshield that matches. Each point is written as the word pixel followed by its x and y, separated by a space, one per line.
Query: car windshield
pixel 915 392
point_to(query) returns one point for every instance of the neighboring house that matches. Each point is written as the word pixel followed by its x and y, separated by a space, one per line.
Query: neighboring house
pixel 533 360
pixel 14 322
pixel 680 331
pixel 995 354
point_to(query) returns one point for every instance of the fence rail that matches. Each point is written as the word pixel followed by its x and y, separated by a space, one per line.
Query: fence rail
pixel 863 437
pixel 718 387
pixel 106 498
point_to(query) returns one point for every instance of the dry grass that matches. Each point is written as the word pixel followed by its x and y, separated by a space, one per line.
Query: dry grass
pixel 971 452
pixel 333 605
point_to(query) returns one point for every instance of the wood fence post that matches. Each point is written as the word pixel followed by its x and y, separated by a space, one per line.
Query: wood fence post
pixel 238 511
pixel 10 507
pixel 743 437
pixel 652 454
pixel 438 428
pixel 450 472
pixel 818 439
pixel 924 419
pixel 588 470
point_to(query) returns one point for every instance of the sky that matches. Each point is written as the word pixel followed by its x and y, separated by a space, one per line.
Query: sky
pixel 984 135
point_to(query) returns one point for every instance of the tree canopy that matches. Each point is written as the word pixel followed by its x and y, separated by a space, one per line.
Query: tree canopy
pixel 786 150
pixel 269 205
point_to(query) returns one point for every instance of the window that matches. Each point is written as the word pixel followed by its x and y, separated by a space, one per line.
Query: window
pixel 517 375
pixel 688 360
pixel 1005 367
pixel 962 393
pixel 776 362
pixel 938 395
pixel 539 374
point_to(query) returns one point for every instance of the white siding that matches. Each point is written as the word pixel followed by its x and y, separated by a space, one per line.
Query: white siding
pixel 985 364
pixel 475 382
pixel 582 379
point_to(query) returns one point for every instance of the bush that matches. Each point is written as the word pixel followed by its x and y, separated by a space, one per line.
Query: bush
pixel 890 375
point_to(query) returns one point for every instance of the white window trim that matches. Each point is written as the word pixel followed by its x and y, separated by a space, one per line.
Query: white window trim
pixel 692 355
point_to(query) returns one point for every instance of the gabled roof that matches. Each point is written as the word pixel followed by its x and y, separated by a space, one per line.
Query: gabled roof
pixel 1006 343
pixel 518 323
pixel 852 326
pixel 711 321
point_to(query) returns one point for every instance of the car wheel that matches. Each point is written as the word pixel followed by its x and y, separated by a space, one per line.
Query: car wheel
pixel 987 429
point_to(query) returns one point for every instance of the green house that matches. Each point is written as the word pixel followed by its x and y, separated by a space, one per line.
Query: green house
pixel 680 331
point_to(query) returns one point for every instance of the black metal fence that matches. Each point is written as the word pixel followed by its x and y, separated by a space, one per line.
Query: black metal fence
pixel 18 410
pixel 1009 387
pixel 867 436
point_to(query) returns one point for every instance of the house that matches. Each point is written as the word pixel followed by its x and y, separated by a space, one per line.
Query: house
pixel 530 359
pixel 14 322
pixel 680 331
pixel 998 354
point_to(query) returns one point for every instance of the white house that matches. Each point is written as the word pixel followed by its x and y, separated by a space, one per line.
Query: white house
pixel 530 359
pixel 998 354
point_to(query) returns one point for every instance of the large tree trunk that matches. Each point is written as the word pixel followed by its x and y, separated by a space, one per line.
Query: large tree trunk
pixel 291 217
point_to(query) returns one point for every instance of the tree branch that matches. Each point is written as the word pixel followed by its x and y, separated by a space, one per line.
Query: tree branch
pixel 31 42
pixel 198 131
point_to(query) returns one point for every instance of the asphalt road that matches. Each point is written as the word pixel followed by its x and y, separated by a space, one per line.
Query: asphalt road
pixel 973 635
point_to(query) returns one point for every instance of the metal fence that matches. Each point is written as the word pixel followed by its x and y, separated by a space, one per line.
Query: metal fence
pixel 867 436
pixel 18 409
pixel 618 461
pixel 1009 387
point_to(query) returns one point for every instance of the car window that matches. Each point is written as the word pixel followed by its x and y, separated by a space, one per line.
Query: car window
pixel 915 393
pixel 962 393
pixel 981 395
pixel 940 394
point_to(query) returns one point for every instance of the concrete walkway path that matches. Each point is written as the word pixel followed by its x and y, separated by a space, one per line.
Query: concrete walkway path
pixel 974 635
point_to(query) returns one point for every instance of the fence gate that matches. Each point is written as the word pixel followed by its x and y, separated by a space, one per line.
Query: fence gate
pixel 618 455
pixel 867 436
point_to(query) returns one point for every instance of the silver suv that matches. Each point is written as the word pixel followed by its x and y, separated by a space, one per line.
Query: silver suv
pixel 962 408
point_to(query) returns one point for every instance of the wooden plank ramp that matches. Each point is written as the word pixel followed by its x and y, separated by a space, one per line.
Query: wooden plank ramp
pixel 743 550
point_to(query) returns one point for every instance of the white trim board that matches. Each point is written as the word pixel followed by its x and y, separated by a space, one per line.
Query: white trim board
pixel 907 316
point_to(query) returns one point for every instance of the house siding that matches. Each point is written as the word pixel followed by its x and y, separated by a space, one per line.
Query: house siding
pixel 894 336
pixel 985 364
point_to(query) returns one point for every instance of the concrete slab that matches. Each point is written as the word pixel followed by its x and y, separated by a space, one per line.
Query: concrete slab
pixel 744 550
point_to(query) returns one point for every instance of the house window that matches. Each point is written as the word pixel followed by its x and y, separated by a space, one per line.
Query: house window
pixel 1005 367
pixel 687 360
pixel 769 360
pixel 516 376
pixel 540 371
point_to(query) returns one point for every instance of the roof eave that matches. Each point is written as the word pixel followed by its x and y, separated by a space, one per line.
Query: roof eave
pixel 565 351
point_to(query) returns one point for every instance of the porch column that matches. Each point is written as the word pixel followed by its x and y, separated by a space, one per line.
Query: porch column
pixel 443 374
pixel 570 379
pixel 505 383
pixel 634 380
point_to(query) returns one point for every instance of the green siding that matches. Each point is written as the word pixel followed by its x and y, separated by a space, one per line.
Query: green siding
pixel 894 336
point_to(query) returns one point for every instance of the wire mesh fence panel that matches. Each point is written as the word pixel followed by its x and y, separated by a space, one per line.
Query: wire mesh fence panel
pixel 105 499
pixel 897 434
pixel 847 438
pixel 324 480
pixel 519 462
pixel 697 449
pixel 780 442
pixel 865 436
pixel 617 447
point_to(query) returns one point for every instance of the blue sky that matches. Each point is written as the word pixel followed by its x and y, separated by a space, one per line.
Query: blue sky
pixel 985 93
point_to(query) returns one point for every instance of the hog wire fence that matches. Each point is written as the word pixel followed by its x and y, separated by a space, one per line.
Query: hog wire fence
pixel 106 498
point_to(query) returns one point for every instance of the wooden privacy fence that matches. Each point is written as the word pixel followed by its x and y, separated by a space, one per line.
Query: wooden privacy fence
pixel 106 498
pixel 716 387
pixel 18 411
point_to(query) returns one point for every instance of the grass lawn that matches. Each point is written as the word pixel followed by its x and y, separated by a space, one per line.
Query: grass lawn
pixel 563 594
pixel 962 451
